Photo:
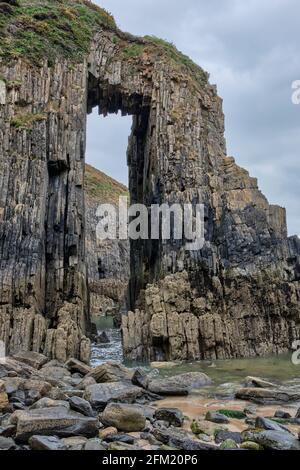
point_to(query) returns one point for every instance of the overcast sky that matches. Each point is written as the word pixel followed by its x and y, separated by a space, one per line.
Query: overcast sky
pixel 252 51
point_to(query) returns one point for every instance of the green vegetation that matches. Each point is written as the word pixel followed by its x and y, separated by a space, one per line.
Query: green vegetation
pixel 26 121
pixel 50 28
pixel 233 414
pixel 135 50
pixel 116 40
pixel 171 52
pixel 101 187
pixel 280 420
pixel 229 444
pixel 39 29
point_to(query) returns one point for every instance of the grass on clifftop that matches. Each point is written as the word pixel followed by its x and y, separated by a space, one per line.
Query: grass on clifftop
pixel 35 29
pixel 102 188
pixel 39 29
pixel 171 52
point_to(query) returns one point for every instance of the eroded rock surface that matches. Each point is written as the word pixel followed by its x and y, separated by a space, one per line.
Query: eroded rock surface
pixel 238 295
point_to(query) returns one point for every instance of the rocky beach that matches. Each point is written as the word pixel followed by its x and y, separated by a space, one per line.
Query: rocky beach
pixel 48 405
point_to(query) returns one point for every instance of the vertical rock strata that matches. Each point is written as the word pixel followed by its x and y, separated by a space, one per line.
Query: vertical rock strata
pixel 108 261
pixel 237 296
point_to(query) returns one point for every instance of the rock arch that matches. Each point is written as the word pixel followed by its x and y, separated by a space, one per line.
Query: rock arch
pixel 238 296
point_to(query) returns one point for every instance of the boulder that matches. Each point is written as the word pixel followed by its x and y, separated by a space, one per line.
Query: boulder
pixel 46 443
pixel 269 425
pixel 57 394
pixel 85 382
pixel 181 440
pixel 258 382
pixel 267 396
pixel 74 365
pixel 3 372
pixel 20 369
pixel 140 379
pixel 111 372
pixel 249 445
pixel 118 446
pixel 7 443
pixel 82 406
pixel 168 387
pixel 2 386
pixel 8 430
pixel 72 392
pixel 55 373
pixel 33 359
pixel 179 385
pixel 99 395
pixel 4 403
pixel 53 421
pixel 104 433
pixel 124 438
pixel 41 387
pixel 128 418
pixel 102 338
pixel 94 444
pixel 206 427
pixel 224 435
pixel 173 416
pixel 215 417
pixel 75 443
pixel 273 440
pixel 14 384
pixel 49 403
pixel 250 410
pixel 55 363
pixel 228 444
pixel 281 414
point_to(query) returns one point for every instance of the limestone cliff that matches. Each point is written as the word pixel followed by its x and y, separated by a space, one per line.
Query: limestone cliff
pixel 238 295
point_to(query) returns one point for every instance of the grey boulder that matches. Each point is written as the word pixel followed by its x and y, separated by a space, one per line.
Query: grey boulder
pixel 269 425
pixel 179 385
pixel 46 443
pixel 111 371
pixel 82 406
pixel 7 443
pixel 33 359
pixel 217 418
pixel 127 418
pixel 273 440
pixel 172 416
pixel 99 395
pixel 57 421
pixel 264 395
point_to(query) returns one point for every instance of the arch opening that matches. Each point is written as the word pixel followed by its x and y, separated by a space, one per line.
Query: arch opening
pixel 119 262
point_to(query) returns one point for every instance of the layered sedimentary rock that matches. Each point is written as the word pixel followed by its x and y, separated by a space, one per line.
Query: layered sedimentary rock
pixel 108 263
pixel 238 295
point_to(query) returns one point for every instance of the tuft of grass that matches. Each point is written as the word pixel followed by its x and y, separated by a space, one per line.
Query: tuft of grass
pixel 26 121
pixel 170 51
pixel 37 29
pixel 134 50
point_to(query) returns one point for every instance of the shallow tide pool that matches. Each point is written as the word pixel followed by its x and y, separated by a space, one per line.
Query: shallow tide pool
pixel 278 369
